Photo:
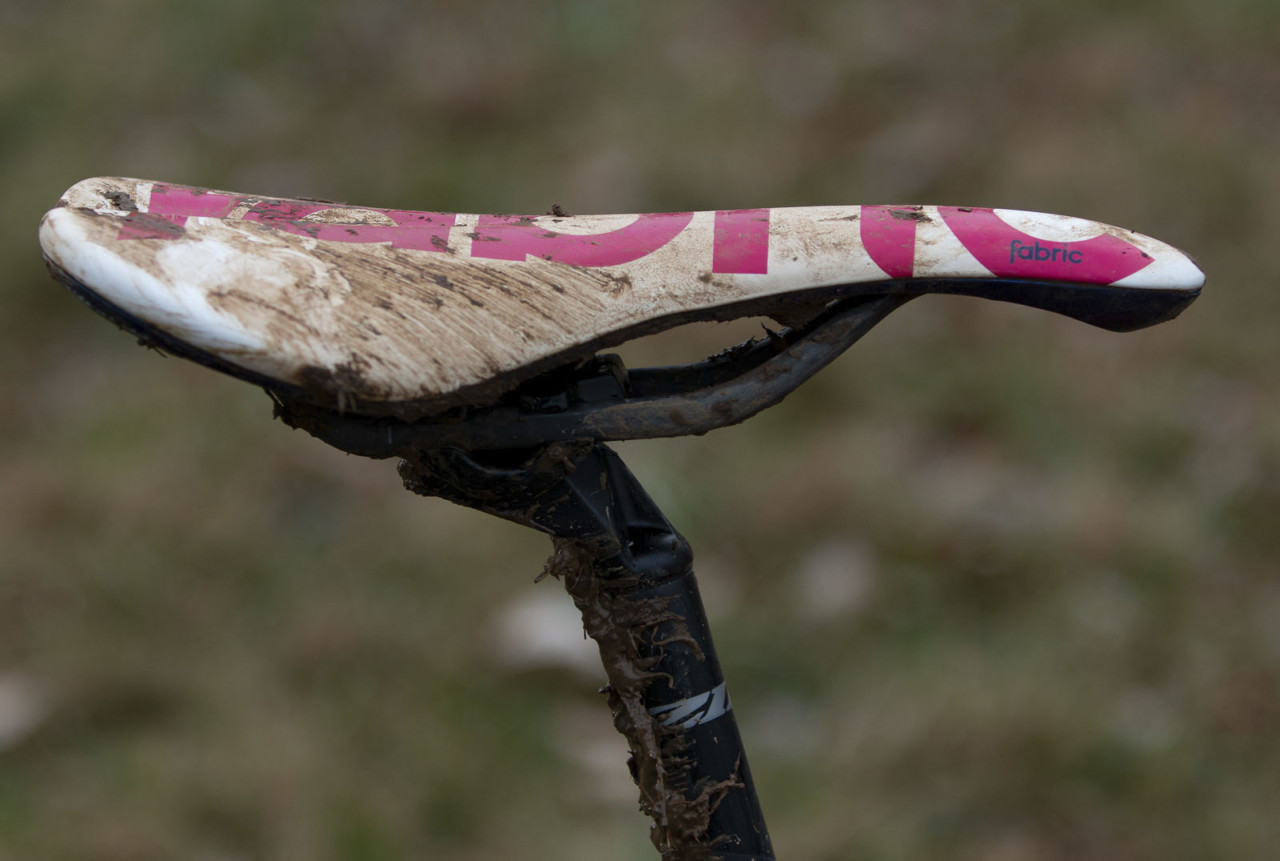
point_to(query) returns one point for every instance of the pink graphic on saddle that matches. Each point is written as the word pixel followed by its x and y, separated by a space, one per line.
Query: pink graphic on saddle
pixel 1010 253
pixel 518 237
pixel 741 244
pixel 171 207
pixel 889 235
pixel 421 231
pixel 179 204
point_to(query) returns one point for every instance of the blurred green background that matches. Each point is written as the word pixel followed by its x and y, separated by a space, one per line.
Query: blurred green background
pixel 994 586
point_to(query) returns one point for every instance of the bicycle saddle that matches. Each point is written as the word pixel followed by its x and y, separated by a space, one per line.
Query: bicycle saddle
pixel 482 330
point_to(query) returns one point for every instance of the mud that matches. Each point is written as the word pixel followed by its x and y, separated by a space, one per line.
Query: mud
pixel 122 201
pixel 144 225
pixel 680 813
pixel 910 213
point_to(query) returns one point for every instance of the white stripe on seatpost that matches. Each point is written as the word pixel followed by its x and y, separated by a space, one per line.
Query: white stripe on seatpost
pixel 698 709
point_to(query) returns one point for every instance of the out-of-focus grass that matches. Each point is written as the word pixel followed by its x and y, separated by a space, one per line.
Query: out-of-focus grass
pixel 994 586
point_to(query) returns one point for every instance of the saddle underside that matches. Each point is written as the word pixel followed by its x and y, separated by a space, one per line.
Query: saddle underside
pixel 403 313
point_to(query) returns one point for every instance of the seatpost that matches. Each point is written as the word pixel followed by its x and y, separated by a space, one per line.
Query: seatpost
pixel 630 574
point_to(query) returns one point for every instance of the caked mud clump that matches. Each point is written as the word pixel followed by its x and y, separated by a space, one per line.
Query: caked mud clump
pixel 617 624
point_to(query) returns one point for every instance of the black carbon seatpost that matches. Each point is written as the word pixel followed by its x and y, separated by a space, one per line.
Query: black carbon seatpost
pixel 630 573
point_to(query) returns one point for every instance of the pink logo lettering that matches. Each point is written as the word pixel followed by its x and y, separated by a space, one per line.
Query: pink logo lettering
pixel 179 204
pixel 889 235
pixel 421 231
pixel 1010 253
pixel 741 242
pixel 517 237
pixel 171 207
